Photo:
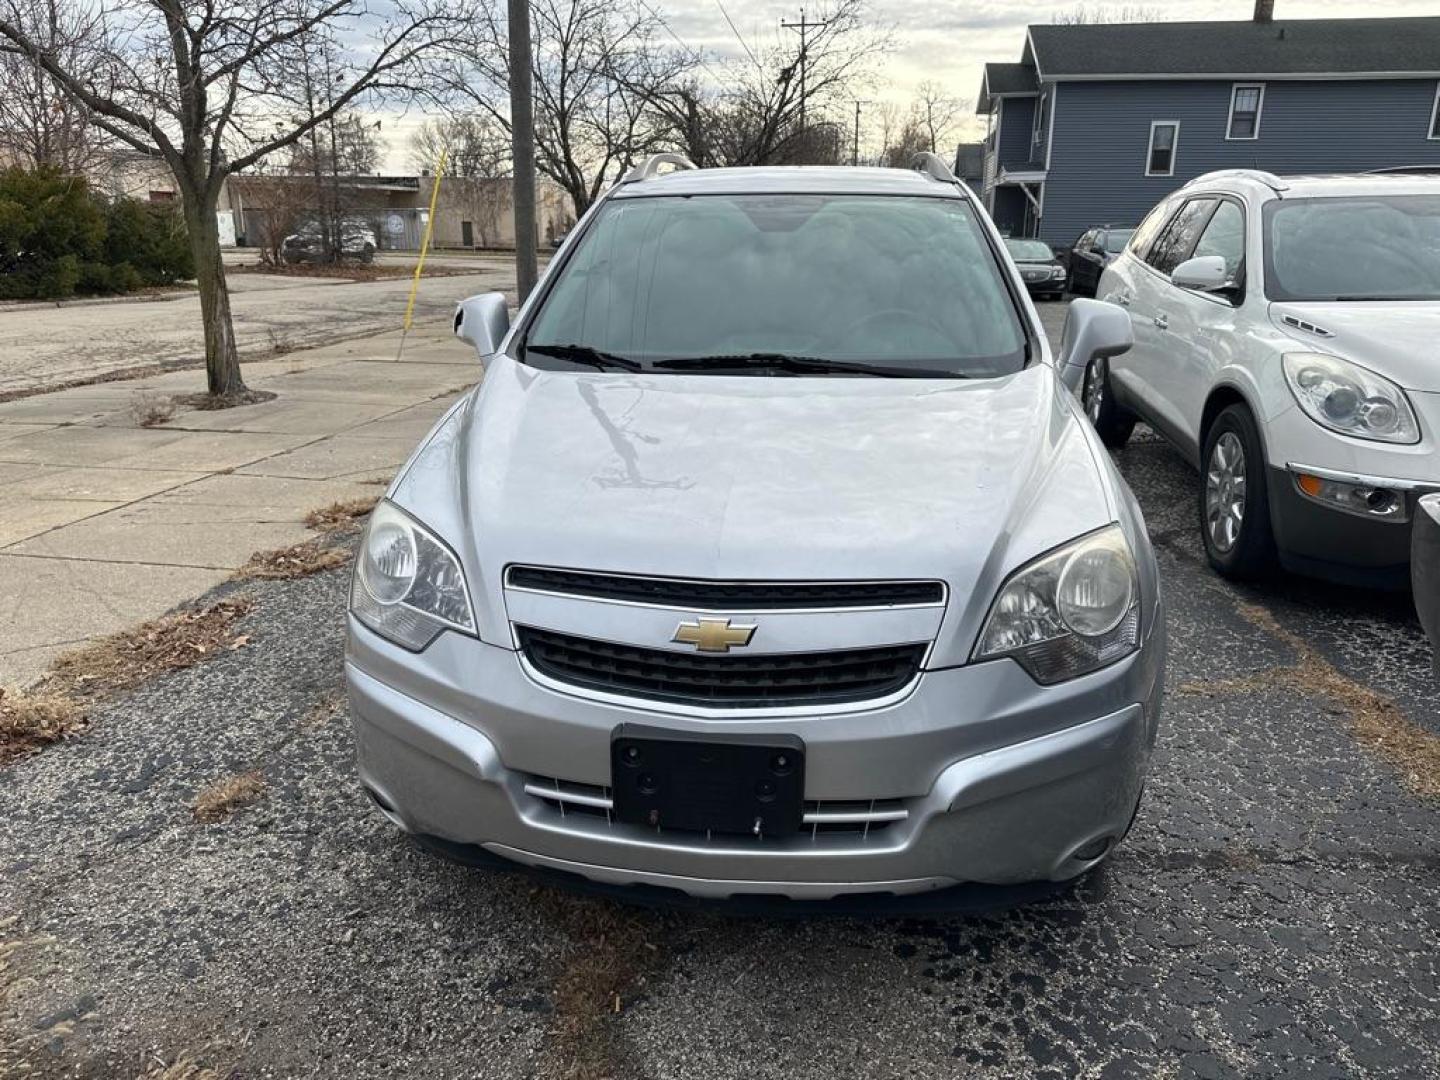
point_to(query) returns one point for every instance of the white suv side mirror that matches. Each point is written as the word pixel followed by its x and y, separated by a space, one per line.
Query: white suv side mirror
pixel 483 321
pixel 1425 568
pixel 1205 273
pixel 1093 328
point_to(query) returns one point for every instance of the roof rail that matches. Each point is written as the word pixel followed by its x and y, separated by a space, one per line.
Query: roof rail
pixel 933 166
pixel 650 167
pixel 1270 180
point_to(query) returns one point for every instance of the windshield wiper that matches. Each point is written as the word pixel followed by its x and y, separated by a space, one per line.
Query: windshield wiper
pixel 799 365
pixel 585 354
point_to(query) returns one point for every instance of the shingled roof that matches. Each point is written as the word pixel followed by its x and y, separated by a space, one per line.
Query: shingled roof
pixel 1285 47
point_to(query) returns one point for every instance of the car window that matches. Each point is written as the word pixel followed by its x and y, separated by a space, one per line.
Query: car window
pixel 1083 244
pixel 1378 247
pixel 1029 250
pixel 1150 228
pixel 888 280
pixel 1175 242
pixel 1224 236
pixel 1116 239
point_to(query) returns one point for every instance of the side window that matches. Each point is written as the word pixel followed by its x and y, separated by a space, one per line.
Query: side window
pixel 1175 243
pixel 1083 244
pixel 1150 228
pixel 1160 158
pixel 1225 236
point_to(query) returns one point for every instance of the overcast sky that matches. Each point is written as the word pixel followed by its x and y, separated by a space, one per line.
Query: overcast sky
pixel 948 41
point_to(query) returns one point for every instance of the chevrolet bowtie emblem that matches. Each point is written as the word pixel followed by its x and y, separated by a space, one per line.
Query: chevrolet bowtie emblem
pixel 714 635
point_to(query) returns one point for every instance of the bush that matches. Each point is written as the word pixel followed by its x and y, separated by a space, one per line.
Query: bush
pixel 57 239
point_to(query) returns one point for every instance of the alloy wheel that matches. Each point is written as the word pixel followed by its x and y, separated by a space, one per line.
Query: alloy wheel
pixel 1225 492
pixel 1093 394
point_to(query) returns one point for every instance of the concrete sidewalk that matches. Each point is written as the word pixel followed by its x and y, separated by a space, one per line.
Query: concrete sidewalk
pixel 104 523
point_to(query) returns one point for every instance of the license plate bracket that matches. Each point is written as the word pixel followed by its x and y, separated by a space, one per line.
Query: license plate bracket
pixel 699 782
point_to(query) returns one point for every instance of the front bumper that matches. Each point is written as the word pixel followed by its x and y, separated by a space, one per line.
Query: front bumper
pixel 1003 781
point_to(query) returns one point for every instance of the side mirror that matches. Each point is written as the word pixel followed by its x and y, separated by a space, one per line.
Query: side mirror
pixel 1207 274
pixel 1093 328
pixel 1425 569
pixel 483 321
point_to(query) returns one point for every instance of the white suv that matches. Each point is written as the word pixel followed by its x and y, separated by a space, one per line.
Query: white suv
pixel 1285 342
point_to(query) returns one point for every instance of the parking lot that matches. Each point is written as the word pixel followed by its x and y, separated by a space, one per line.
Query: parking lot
pixel 1275 912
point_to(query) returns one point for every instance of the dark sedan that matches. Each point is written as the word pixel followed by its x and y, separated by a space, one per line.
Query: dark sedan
pixel 1090 254
pixel 1039 268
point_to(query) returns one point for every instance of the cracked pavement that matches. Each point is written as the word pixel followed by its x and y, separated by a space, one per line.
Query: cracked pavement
pixel 1275 913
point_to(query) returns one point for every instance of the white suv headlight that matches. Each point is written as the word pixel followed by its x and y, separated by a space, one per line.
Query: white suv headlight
pixel 1069 612
pixel 1347 398
pixel 408 586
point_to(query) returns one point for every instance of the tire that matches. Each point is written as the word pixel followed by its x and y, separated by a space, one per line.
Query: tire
pixel 1234 501
pixel 1111 420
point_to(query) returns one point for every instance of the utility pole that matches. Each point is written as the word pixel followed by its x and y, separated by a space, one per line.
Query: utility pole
pixel 855 146
pixel 803 27
pixel 522 147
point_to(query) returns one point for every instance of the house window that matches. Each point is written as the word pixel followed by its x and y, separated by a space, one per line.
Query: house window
pixel 1435 114
pixel 1246 100
pixel 1160 161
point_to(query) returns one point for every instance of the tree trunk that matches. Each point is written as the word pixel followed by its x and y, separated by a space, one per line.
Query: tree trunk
pixel 222 362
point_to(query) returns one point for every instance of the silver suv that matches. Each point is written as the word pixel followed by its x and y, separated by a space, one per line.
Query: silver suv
pixel 770 556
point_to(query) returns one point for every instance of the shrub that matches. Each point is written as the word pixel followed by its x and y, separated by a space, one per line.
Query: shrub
pixel 57 239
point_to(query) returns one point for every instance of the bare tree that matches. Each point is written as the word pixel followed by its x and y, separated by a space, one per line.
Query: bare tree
pixel 597 68
pixel 348 146
pixel 1085 14
pixel 211 88
pixel 938 114
pixel 762 118
pixel 40 127
pixel 475 144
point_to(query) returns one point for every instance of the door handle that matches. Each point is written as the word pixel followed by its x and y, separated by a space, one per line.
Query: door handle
pixel 1123 299
pixel 1162 321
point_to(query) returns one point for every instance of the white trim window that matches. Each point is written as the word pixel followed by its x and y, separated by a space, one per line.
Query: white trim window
pixel 1247 101
pixel 1164 140
pixel 1434 134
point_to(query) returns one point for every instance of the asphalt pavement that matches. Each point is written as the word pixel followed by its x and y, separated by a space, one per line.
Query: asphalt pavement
pixel 1275 912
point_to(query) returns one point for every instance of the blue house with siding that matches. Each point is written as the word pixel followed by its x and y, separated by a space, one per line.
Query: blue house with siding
pixel 1097 123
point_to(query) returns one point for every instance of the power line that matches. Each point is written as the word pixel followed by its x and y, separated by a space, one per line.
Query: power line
pixel 743 44
pixel 802 28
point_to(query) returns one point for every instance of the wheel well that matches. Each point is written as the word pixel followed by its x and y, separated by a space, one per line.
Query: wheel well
pixel 1221 398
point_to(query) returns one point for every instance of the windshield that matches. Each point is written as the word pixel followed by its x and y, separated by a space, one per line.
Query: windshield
pixel 1353 248
pixel 1116 239
pixel 1029 251
pixel 894 282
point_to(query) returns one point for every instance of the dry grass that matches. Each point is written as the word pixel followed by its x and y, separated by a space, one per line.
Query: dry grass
pixel 341 517
pixel 215 402
pixel 149 409
pixel 31 721
pixel 222 798
pixel 609 951
pixel 295 561
pixel 1373 719
pixel 188 1065
pixel 169 643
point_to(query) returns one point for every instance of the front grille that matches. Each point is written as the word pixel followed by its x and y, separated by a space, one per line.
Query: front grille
pixel 728 595
pixel 861 818
pixel 767 679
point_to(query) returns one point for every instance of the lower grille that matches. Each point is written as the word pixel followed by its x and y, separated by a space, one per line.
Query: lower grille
pixel 861 818
pixel 769 679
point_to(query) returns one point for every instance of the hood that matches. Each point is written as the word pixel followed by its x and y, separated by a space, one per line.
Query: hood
pixel 759 478
pixel 1397 339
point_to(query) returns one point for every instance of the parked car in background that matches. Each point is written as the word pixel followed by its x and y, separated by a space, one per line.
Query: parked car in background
pixel 309 244
pixel 1285 341
pixel 1041 271
pixel 770 557
pixel 1091 253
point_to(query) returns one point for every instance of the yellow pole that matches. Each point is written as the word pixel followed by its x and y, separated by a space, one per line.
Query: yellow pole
pixel 424 249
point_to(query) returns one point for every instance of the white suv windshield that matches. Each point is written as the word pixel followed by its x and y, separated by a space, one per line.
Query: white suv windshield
pixel 783 284
pixel 1354 248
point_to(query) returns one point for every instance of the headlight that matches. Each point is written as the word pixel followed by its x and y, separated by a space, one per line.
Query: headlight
pixel 1347 398
pixel 1069 612
pixel 408 586
pixel 1057 271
